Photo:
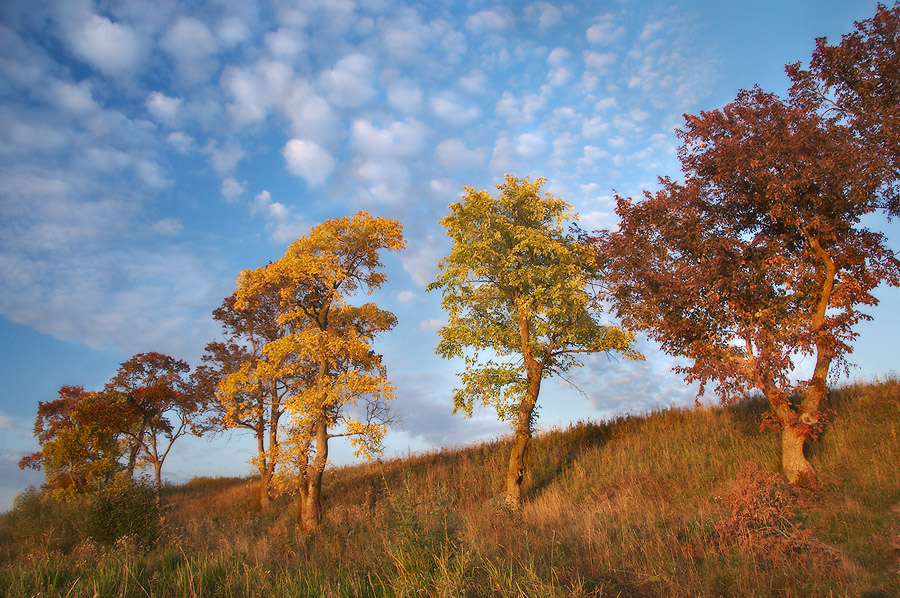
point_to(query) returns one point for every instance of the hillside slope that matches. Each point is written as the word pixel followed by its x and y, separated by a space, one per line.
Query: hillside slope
pixel 675 503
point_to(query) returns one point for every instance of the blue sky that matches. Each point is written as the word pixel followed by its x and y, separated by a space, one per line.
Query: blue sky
pixel 153 149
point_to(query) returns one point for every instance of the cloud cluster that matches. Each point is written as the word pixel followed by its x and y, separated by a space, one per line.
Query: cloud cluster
pixel 136 131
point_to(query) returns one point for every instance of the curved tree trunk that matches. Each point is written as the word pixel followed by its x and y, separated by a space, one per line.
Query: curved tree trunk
pixel 805 421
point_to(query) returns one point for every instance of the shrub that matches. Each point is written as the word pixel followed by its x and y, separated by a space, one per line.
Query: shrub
pixel 761 518
pixel 124 508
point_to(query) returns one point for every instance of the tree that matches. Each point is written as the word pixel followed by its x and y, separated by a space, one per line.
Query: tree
pixel 79 446
pixel 516 287
pixel 325 352
pixel 857 81
pixel 249 390
pixel 154 387
pixel 758 257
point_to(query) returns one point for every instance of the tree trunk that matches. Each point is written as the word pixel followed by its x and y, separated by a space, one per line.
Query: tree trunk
pixel 515 471
pixel 793 462
pixel 263 467
pixel 157 472
pixel 263 489
pixel 311 508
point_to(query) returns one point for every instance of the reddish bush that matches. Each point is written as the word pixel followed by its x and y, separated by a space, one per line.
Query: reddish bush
pixel 762 518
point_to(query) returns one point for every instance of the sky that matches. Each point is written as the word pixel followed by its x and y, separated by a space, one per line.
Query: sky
pixel 151 150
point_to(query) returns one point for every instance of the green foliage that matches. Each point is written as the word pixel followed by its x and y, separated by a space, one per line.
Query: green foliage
pixel 124 508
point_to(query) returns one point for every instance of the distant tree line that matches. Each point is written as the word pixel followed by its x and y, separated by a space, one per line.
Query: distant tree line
pixel 758 257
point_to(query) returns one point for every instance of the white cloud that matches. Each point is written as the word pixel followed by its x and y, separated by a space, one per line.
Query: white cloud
pixel 444 190
pixel 605 31
pixel 406 96
pixel 558 57
pixel 546 14
pixel 75 98
pixel 182 142
pixel 599 61
pixel 605 104
pixel 592 156
pixel 233 31
pixel 308 159
pixel 651 29
pixel 286 43
pixel 503 159
pixel 594 127
pixel 519 110
pixel 454 155
pixel 406 297
pixel 69 275
pixel 350 83
pixel 453 112
pixel 224 159
pixel 311 116
pixel 530 145
pixel 474 81
pixel 559 76
pixel 563 146
pixel 387 181
pixel 246 89
pixel 280 221
pixel 420 258
pixel 495 19
pixel 112 48
pixel 151 174
pixel 193 48
pixel 163 108
pixel 406 38
pixel 432 325
pixel 231 189
pixel 167 227
pixel 398 141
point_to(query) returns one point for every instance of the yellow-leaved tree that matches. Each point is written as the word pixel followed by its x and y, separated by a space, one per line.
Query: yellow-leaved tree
pixel 517 287
pixel 337 385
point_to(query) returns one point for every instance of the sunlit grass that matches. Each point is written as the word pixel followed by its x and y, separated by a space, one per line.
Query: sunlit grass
pixel 623 508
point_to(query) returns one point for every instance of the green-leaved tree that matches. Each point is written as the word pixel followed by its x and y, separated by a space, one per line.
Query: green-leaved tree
pixel 517 291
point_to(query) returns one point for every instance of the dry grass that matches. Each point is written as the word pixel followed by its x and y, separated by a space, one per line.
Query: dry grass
pixel 655 505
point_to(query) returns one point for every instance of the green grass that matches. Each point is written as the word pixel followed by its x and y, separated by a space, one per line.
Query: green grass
pixel 633 507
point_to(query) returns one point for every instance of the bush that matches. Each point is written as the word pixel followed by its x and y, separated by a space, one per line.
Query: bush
pixel 762 519
pixel 125 507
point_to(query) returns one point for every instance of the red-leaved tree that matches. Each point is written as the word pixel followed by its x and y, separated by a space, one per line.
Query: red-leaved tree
pixel 758 257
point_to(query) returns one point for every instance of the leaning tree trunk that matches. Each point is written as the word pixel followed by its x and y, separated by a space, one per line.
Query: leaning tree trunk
pixel 516 469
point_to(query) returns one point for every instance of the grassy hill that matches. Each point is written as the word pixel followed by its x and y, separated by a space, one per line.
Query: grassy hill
pixel 675 503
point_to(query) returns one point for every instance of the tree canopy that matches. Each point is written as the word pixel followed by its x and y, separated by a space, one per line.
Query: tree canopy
pixel 857 81
pixel 79 444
